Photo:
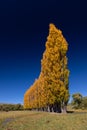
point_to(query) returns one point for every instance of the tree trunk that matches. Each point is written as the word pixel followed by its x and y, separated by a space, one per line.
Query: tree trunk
pixel 64 108
pixel 57 107
pixel 48 108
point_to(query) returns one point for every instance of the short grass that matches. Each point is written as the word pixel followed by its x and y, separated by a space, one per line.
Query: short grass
pixel 29 120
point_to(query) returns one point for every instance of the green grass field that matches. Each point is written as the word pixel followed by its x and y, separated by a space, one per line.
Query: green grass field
pixel 29 120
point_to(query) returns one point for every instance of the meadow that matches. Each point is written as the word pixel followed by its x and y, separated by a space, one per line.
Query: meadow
pixel 33 120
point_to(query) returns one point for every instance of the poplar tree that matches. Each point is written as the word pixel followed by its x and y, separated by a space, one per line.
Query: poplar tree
pixel 55 70
pixel 51 89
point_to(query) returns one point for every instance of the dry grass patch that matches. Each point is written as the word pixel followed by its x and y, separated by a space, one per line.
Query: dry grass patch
pixel 28 120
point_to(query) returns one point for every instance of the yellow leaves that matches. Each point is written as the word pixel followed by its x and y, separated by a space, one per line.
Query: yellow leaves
pixel 35 96
pixel 53 29
pixel 64 47
pixel 52 84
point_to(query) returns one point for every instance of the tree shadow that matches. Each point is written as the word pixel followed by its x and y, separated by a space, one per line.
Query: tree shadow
pixel 70 111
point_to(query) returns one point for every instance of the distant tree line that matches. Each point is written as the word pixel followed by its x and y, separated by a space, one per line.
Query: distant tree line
pixel 79 102
pixel 11 107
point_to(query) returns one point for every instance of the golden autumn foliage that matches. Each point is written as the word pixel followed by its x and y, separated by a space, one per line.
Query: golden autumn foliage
pixel 52 85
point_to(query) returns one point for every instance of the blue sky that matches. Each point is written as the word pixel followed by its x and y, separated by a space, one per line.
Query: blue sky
pixel 24 28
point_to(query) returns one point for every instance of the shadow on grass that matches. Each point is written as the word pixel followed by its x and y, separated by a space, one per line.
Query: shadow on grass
pixel 70 111
pixel 77 112
pixel 7 120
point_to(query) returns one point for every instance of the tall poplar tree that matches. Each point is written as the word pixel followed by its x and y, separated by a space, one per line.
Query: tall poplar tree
pixel 55 70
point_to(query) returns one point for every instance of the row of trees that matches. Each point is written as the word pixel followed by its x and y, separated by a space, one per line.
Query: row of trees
pixel 50 91
pixel 79 101
pixel 11 107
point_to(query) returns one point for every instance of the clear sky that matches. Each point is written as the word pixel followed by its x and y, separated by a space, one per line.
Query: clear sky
pixel 24 28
